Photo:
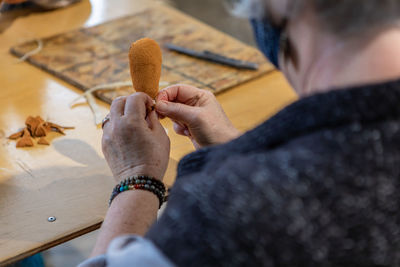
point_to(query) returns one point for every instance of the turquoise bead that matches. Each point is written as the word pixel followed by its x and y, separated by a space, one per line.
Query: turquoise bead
pixel 126 187
pixel 121 189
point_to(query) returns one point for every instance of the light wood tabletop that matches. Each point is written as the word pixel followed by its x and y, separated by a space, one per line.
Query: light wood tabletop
pixel 69 179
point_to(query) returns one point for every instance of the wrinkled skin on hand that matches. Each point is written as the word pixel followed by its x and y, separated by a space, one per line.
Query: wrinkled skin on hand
pixel 196 114
pixel 134 142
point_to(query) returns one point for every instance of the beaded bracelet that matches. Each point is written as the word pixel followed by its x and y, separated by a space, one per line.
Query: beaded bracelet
pixel 140 182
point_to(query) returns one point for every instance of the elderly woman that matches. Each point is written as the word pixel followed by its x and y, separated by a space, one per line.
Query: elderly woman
pixel 316 185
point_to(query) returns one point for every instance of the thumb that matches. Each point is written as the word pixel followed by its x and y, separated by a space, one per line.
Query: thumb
pixel 152 121
pixel 176 111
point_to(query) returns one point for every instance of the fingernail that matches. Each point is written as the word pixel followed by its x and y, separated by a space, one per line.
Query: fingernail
pixel 161 106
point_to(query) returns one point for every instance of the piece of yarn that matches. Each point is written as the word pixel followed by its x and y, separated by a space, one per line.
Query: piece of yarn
pixel 145 59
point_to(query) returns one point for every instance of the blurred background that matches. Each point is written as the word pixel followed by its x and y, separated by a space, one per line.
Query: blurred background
pixel 216 14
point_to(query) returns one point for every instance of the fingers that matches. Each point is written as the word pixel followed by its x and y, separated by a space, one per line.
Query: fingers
pixel 153 121
pixel 180 129
pixel 117 108
pixel 137 105
pixel 178 101
pixel 179 93
pixel 177 111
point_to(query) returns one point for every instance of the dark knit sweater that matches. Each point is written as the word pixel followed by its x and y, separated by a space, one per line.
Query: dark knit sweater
pixel 316 185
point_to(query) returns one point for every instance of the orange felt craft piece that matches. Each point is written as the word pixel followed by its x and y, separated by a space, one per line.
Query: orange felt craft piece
pixel 43 141
pixel 36 127
pixel 26 139
pixel 16 135
pixel 145 58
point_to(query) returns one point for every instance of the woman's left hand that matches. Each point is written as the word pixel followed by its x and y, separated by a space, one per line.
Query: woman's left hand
pixel 134 142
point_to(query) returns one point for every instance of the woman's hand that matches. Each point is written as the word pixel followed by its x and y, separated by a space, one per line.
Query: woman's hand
pixel 134 142
pixel 196 114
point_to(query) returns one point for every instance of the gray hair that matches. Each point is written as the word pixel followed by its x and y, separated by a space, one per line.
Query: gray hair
pixel 346 17
pixel 341 17
pixel 247 8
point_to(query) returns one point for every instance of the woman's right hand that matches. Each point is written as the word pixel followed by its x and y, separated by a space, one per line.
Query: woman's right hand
pixel 196 114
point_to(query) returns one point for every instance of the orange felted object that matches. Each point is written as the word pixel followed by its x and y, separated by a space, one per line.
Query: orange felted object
pixel 40 130
pixel 32 123
pixel 16 135
pixel 26 139
pixel 43 141
pixel 145 60
pixel 36 127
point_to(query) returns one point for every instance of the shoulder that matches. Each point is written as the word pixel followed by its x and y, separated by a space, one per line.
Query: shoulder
pixel 300 198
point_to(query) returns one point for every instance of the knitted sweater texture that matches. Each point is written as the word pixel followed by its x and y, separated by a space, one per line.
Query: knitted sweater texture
pixel 316 185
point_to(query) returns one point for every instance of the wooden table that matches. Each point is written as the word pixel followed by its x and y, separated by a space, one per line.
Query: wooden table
pixel 70 179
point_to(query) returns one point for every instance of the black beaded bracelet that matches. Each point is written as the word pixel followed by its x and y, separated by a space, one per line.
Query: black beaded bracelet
pixel 140 182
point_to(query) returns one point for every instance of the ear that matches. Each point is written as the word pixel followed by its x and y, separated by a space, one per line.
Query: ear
pixel 288 51
pixel 281 10
pixel 277 10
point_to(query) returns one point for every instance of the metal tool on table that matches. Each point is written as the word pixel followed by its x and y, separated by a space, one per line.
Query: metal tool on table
pixel 41 4
pixel 53 4
pixel 214 57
